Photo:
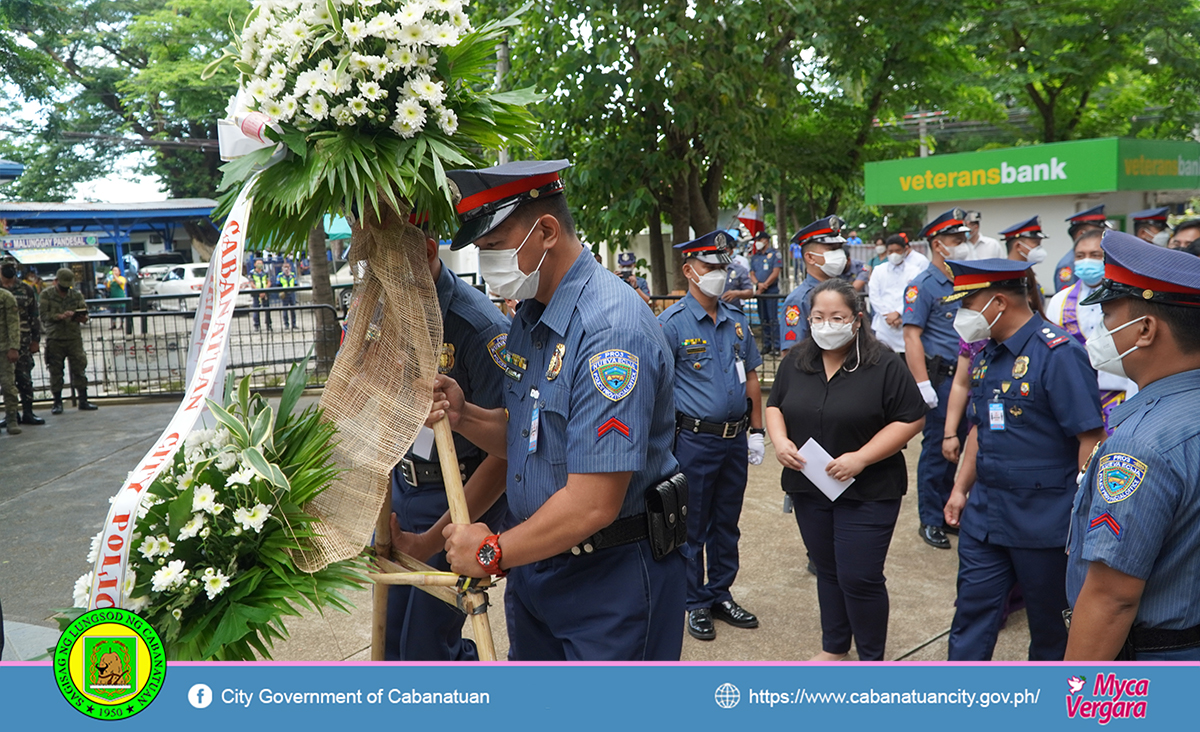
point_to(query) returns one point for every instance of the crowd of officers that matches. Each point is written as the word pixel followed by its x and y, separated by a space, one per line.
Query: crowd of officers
pixel 591 433
pixel 25 318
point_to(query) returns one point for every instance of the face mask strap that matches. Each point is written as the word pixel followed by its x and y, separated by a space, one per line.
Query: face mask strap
pixel 1120 328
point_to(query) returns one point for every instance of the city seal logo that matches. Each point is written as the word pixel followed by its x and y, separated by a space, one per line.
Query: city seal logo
pixel 109 664
pixel 910 295
pixel 1118 476
pixel 614 373
pixel 791 316
pixel 496 349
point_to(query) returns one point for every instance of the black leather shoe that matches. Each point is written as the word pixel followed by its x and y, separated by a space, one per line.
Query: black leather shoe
pixel 700 624
pixel 30 418
pixel 948 529
pixel 934 536
pixel 734 614
pixel 57 408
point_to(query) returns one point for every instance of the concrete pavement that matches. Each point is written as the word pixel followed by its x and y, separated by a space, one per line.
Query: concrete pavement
pixel 55 482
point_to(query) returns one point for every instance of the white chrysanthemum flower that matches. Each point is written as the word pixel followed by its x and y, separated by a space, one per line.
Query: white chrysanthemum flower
pixel 404 129
pixel 193 526
pixel 358 106
pixel 426 60
pixel 275 87
pixel 402 56
pixel 414 34
pixel 260 26
pixel 185 478
pixel 381 25
pixel 368 3
pixel 257 88
pixel 460 21
pixel 446 6
pixel 447 120
pixel 355 30
pixel 318 109
pixel 412 12
pixel 360 63
pixel 342 115
pixel 94 552
pixel 127 585
pixel 137 604
pixel 215 582
pixel 443 34
pixel 226 460
pixel 380 67
pixel 372 91
pixel 411 113
pixel 241 477
pixel 337 84
pixel 295 31
pixel 278 71
pixel 172 575
pixel 325 66
pixel 273 109
pixel 82 590
pixel 205 532
pixel 427 90
pixel 149 547
pixel 252 518
pixel 217 509
pixel 204 497
pixel 165 545
pixel 177 613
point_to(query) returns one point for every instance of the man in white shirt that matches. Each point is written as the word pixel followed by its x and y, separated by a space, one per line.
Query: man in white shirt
pixel 886 290
pixel 982 247
pixel 1081 321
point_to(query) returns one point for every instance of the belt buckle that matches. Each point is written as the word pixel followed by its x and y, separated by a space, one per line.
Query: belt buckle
pixel 409 471
pixel 725 430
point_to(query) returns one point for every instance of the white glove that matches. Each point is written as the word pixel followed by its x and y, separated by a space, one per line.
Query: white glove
pixel 928 393
pixel 757 449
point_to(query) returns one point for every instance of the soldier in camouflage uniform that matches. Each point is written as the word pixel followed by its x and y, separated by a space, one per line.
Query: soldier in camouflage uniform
pixel 10 349
pixel 31 335
pixel 63 310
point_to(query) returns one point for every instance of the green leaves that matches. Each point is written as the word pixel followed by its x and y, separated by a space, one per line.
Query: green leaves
pixel 266 470
pixel 240 434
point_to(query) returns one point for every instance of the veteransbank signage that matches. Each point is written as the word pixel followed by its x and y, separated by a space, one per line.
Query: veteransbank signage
pixel 1063 168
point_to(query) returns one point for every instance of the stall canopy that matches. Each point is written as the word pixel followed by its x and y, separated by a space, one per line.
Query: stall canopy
pixel 10 171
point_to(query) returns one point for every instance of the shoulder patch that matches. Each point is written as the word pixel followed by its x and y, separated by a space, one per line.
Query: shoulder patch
pixel 614 373
pixel 496 350
pixel 792 316
pixel 910 295
pixel 1064 274
pixel 1118 476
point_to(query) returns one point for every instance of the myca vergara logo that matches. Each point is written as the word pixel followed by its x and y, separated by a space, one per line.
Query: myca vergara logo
pixel 109 664
pixel 1111 698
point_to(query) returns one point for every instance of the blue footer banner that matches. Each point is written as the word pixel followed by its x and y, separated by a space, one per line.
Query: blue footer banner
pixel 597 696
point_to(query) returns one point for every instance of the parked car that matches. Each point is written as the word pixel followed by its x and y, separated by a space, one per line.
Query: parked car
pixel 150 276
pixel 188 279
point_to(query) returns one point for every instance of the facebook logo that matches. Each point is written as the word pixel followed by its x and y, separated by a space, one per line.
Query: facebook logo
pixel 200 696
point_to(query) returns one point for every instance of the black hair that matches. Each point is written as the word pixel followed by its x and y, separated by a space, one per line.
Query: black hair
pixel 1183 320
pixel 896 239
pixel 1090 234
pixel 808 353
pixel 555 205
pixel 1189 224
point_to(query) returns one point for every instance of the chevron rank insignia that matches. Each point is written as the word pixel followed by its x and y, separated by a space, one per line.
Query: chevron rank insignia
pixel 613 425
pixel 1105 520
pixel 1118 476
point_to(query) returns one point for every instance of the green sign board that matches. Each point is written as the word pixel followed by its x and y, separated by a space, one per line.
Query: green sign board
pixel 1063 168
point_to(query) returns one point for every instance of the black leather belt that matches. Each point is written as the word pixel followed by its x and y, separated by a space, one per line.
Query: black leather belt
pixel 419 472
pixel 619 532
pixel 726 430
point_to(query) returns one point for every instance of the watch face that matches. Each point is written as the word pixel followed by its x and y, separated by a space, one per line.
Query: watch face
pixel 487 554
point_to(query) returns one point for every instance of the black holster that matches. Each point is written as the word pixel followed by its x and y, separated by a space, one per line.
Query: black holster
pixel 666 515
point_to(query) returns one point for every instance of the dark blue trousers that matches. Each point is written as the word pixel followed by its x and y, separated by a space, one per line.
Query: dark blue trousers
pixel 768 315
pixel 986 573
pixel 848 544
pixel 716 474
pixel 421 627
pixel 935 474
pixel 618 604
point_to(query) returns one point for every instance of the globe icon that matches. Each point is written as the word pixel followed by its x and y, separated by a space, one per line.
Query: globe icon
pixel 728 696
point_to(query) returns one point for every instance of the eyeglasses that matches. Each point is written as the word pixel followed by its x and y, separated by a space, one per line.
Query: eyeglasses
pixel 835 320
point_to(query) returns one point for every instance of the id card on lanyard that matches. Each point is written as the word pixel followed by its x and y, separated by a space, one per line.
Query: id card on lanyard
pixel 996 412
pixel 533 422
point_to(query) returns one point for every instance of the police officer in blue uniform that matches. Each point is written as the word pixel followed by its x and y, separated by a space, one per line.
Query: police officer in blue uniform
pixel 931 351
pixel 1133 565
pixel 1035 414
pixel 588 428
pixel 823 249
pixel 717 399
pixel 765 266
pixel 626 261
pixel 738 286
pixel 1093 218
pixel 1151 225
pixel 421 627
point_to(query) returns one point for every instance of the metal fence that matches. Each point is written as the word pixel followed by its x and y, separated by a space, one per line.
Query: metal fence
pixel 771 359
pixel 144 352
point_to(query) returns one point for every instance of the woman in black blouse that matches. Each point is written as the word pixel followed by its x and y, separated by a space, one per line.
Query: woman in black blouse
pixel 860 403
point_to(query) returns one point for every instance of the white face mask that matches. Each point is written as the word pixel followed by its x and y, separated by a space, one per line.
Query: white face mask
pixel 1162 237
pixel 1102 349
pixel 957 252
pixel 896 258
pixel 831 336
pixel 1037 255
pixel 503 274
pixel 880 250
pixel 712 283
pixel 835 262
pixel 973 325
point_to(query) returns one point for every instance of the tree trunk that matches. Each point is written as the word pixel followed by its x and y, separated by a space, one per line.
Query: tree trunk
pixel 658 254
pixel 680 225
pixel 327 336
pixel 702 218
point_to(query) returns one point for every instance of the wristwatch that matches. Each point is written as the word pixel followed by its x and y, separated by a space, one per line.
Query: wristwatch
pixel 488 555
pixel 757 431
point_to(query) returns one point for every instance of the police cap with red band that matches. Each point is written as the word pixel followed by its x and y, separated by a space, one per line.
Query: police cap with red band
pixel 979 274
pixel 1094 216
pixel 1138 269
pixel 710 248
pixel 822 231
pixel 951 222
pixel 490 195
pixel 1029 228
pixel 1151 214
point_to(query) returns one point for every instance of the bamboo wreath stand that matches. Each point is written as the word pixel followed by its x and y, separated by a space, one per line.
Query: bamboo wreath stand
pixel 466 593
